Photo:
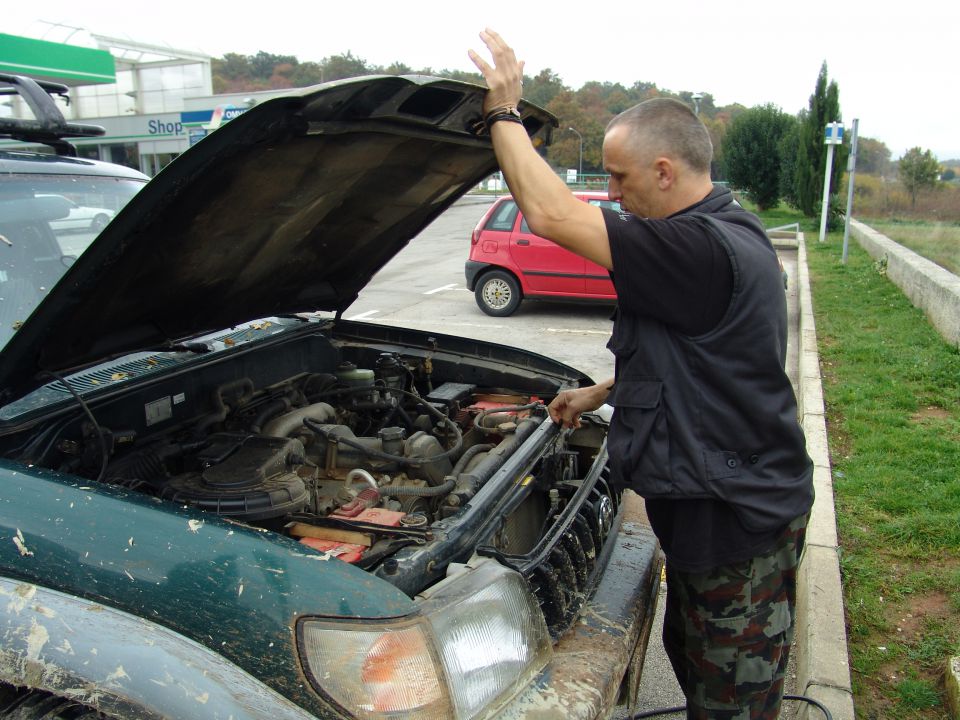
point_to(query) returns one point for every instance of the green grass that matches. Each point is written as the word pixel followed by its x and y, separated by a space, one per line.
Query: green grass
pixel 892 393
pixel 938 241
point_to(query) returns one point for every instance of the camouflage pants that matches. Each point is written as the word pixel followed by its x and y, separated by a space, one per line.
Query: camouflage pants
pixel 728 631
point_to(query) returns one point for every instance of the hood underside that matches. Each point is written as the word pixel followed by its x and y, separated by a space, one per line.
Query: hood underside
pixel 292 206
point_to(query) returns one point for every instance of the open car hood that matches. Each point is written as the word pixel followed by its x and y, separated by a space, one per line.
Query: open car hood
pixel 291 207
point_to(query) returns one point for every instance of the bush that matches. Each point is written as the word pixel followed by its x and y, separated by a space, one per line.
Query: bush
pixel 751 152
pixel 879 198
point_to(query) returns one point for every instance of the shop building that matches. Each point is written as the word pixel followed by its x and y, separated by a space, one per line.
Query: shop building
pixel 153 101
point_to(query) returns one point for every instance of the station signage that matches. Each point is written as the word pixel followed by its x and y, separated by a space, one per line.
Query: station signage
pixel 198 123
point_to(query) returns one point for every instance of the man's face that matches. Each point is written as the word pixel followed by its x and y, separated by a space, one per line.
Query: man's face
pixel 634 179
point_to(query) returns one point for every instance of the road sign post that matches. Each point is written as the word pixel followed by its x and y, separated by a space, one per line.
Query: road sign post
pixel 852 170
pixel 833 135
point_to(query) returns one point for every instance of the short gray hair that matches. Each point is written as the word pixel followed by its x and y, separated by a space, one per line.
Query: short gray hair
pixel 665 125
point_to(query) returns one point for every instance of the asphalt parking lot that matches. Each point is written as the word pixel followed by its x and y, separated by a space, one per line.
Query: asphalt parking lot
pixel 424 288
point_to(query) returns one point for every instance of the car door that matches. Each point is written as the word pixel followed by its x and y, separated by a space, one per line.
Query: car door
pixel 547 268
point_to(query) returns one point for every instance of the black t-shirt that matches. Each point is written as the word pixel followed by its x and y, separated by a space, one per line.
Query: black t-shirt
pixel 674 271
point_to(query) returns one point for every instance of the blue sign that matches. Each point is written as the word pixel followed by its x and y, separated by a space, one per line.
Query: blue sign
pixel 833 134
pixel 210 119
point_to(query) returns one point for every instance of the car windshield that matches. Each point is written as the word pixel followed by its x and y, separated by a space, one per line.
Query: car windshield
pixel 46 222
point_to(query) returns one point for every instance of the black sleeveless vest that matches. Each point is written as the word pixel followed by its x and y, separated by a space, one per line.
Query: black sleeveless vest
pixel 715 416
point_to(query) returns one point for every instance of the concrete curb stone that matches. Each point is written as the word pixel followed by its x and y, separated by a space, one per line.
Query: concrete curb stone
pixel 823 668
pixel 953 687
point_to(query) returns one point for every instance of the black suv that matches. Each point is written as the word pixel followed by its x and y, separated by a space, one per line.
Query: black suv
pixel 220 499
pixel 51 205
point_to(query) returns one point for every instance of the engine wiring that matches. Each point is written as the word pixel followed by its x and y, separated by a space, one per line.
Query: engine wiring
pixel 104 452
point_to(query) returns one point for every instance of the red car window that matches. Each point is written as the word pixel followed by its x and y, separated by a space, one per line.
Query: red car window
pixel 608 204
pixel 503 217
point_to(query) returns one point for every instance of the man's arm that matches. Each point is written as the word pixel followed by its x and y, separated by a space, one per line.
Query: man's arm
pixel 567 406
pixel 549 207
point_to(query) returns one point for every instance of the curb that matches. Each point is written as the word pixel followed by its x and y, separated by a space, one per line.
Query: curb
pixel 953 687
pixel 928 286
pixel 823 668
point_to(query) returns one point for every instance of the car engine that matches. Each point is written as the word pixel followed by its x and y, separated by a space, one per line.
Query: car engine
pixel 354 448
pixel 398 463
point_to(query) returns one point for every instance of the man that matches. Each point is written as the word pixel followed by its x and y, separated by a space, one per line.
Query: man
pixel 704 425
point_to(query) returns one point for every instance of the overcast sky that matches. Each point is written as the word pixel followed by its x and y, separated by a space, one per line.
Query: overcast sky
pixel 896 63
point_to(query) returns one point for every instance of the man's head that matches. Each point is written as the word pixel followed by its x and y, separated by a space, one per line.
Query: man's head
pixel 658 155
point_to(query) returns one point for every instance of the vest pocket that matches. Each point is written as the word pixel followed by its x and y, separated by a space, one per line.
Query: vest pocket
pixel 721 464
pixel 638 442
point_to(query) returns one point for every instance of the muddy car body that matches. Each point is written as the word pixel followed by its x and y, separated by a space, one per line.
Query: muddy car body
pixel 220 499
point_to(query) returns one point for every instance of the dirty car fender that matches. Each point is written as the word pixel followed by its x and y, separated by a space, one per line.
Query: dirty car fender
pixel 235 589
pixel 583 680
pixel 121 664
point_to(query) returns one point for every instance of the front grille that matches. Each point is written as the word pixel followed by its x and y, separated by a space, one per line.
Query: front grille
pixel 562 569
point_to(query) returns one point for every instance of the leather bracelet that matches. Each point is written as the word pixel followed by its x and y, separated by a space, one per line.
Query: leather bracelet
pixel 509 113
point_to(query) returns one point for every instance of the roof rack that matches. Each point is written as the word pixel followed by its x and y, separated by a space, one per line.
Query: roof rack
pixel 49 126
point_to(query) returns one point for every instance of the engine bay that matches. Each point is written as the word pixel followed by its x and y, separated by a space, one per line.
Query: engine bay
pixel 326 457
pixel 376 457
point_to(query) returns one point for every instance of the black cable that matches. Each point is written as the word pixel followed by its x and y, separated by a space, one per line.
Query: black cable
pixel 683 708
pixel 105 455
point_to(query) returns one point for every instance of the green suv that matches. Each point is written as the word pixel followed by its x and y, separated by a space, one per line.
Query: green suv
pixel 220 499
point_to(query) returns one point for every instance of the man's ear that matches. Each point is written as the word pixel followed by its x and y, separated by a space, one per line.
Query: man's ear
pixel 666 172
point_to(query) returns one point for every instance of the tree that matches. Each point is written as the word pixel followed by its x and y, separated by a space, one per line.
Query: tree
pixel 751 154
pixel 337 67
pixel 306 74
pixel 789 150
pixel 263 63
pixel 918 169
pixel 398 68
pixel 542 88
pixel 564 152
pixel 873 156
pixel 812 152
pixel 705 103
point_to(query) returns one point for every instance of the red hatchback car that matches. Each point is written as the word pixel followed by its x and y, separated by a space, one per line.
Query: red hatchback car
pixel 508 262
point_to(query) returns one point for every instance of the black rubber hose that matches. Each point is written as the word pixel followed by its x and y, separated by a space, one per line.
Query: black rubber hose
pixel 478 420
pixel 683 708
pixel 104 452
pixel 421 490
pixel 220 414
pixel 449 482
pixel 281 404
pixel 467 456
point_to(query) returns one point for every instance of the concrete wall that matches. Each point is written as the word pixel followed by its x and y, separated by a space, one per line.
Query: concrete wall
pixel 929 287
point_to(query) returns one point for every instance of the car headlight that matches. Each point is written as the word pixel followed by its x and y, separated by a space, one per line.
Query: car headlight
pixel 478 640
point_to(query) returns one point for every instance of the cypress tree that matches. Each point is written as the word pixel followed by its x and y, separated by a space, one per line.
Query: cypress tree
pixel 812 153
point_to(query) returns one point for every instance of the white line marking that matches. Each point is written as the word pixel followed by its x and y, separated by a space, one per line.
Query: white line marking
pixel 435 323
pixel 363 316
pixel 441 289
pixel 579 332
